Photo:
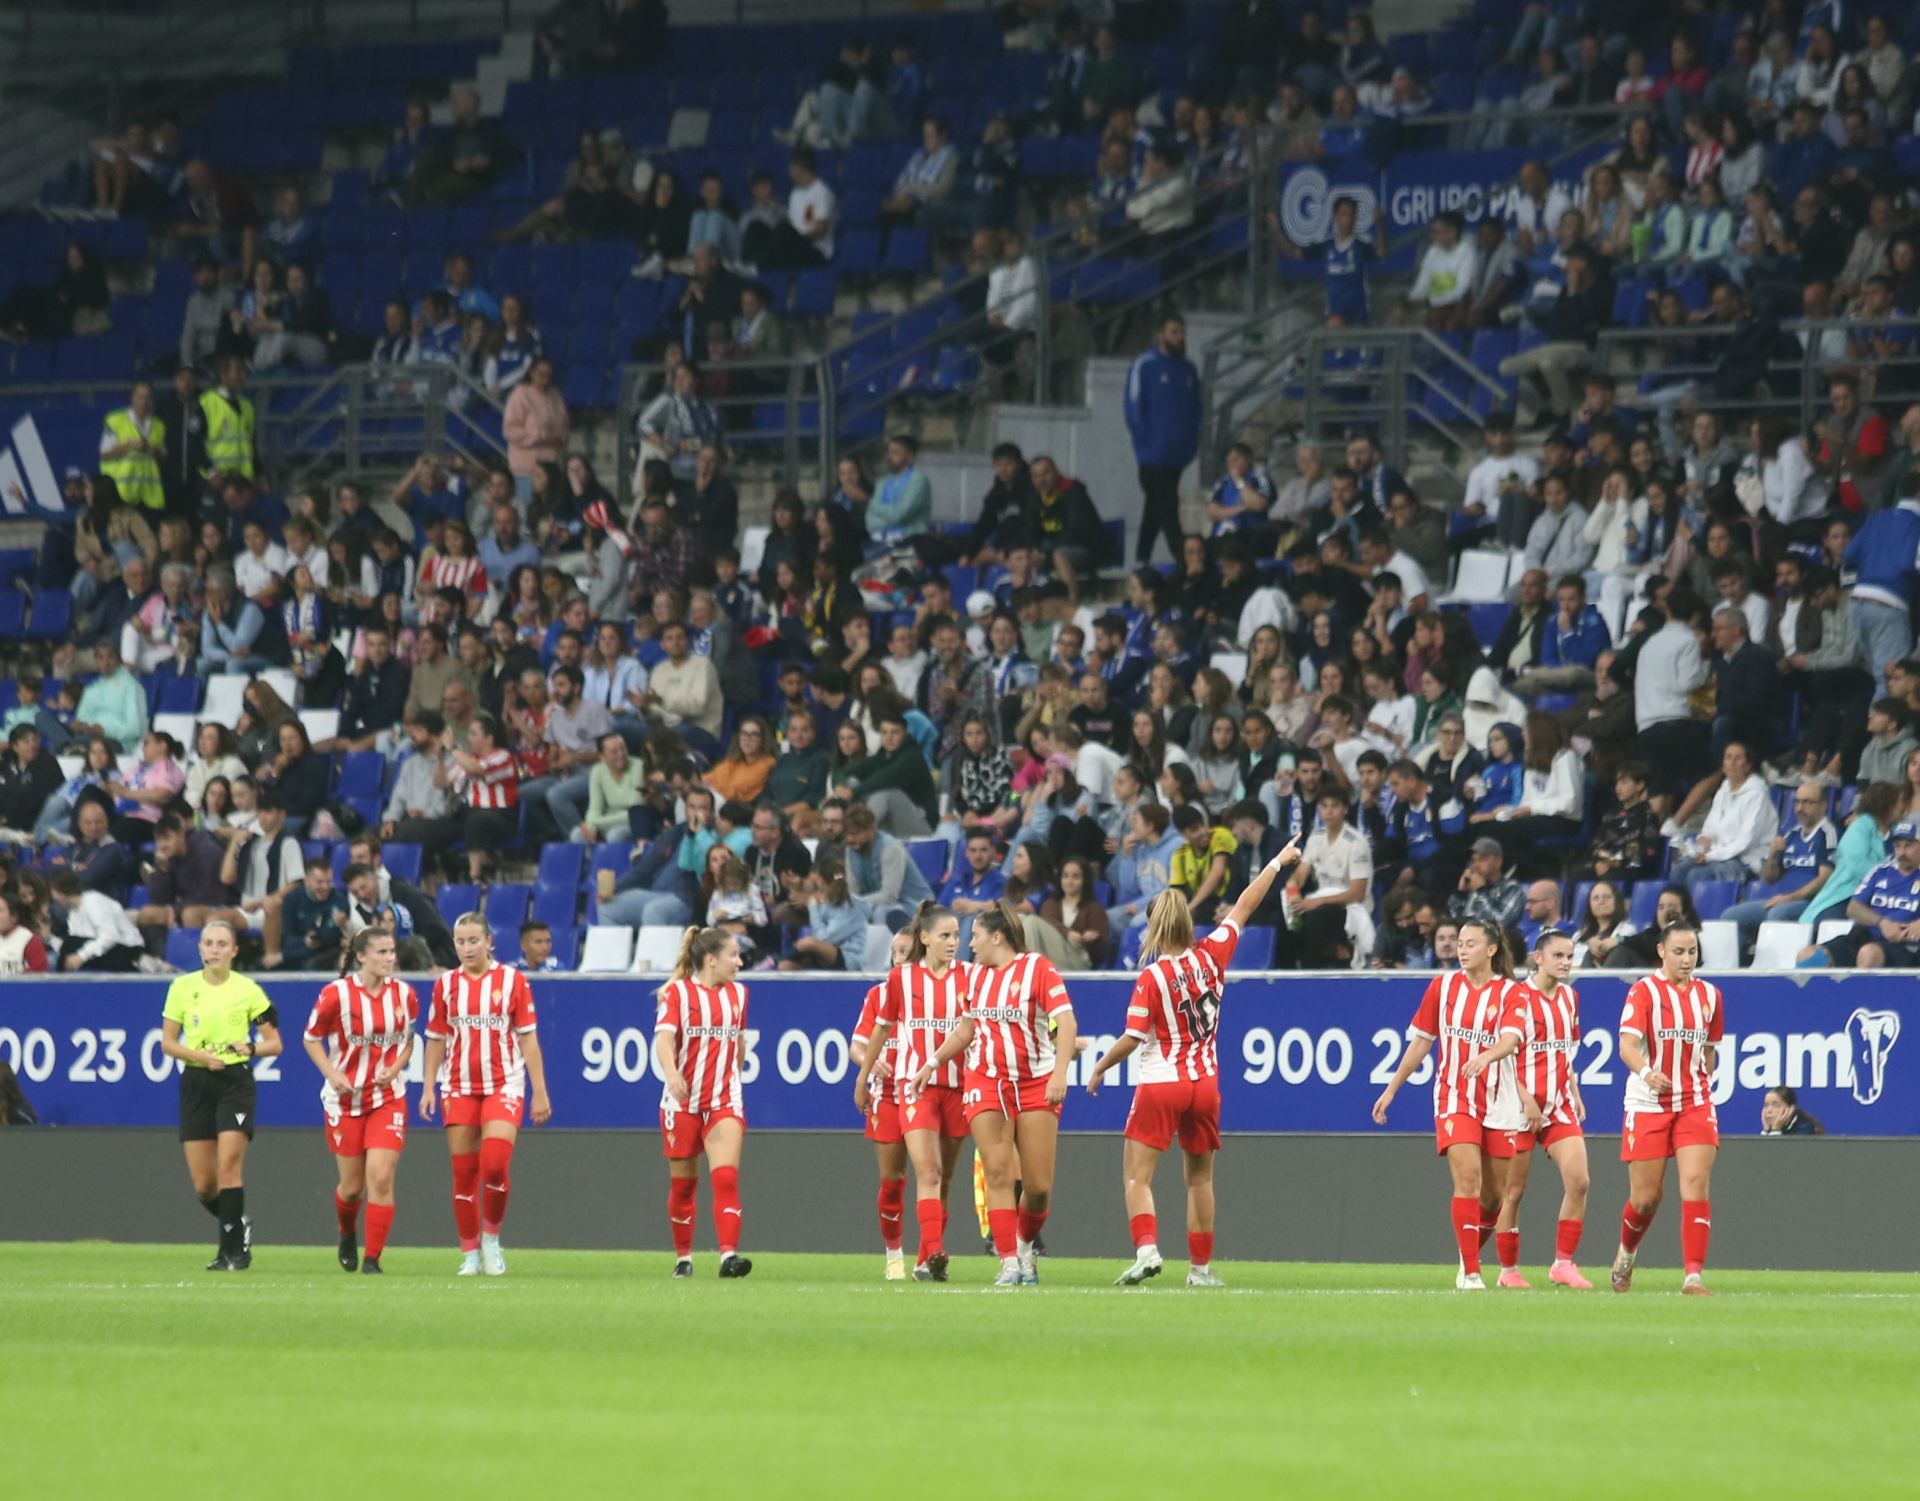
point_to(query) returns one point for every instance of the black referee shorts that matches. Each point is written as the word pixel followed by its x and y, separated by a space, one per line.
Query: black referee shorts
pixel 213 1101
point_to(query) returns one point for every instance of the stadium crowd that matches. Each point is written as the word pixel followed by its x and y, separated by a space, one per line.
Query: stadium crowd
pixel 797 732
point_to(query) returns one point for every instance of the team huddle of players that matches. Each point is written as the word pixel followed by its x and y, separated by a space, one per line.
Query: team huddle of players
pixel 951 1050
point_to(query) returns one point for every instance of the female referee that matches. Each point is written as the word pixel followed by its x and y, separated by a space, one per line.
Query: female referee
pixel 217 1023
pixel 1173 1017
pixel 883 1119
pixel 1016 1079
pixel 922 1004
pixel 1462 1013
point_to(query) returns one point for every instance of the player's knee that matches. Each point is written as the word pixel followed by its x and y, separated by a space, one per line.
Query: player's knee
pixel 1577 1184
pixel 1036 1200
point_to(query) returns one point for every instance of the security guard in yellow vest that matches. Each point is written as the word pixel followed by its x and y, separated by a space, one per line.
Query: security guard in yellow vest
pixel 229 417
pixel 130 450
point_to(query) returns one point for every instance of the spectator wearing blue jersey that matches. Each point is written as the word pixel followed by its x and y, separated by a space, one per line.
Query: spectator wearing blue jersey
pixel 1803 854
pixel 1163 418
pixel 902 507
pixel 1417 849
pixel 976 884
pixel 1346 255
pixel 1882 555
pixel 436 330
pixel 1570 643
pixel 1885 913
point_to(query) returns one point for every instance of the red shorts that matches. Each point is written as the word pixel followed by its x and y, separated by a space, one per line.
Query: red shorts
pixel 1009 1097
pixel 1464 1130
pixel 683 1133
pixel 1189 1108
pixel 383 1129
pixel 936 1108
pixel 1655 1135
pixel 883 1120
pixel 481 1109
pixel 1560 1125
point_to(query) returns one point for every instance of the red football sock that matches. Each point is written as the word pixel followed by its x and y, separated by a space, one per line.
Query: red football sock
pixel 496 1155
pixel 1003 1223
pixel 726 1208
pixel 1466 1230
pixel 347 1214
pixel 680 1193
pixel 1029 1224
pixel 379 1222
pixel 892 1203
pixel 1199 1248
pixel 1508 1244
pixel 933 1224
pixel 1633 1230
pixel 466 1199
pixel 1489 1225
pixel 1146 1230
pixel 1696 1229
pixel 1567 1240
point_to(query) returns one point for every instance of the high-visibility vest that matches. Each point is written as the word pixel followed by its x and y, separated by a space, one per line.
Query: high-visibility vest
pixel 137 474
pixel 229 433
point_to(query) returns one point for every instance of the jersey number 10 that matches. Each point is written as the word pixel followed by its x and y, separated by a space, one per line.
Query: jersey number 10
pixel 1202 1014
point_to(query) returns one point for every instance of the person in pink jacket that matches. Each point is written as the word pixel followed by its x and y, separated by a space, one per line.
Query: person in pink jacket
pixel 536 426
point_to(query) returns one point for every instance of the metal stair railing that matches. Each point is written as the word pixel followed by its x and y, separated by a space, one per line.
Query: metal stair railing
pixel 798 388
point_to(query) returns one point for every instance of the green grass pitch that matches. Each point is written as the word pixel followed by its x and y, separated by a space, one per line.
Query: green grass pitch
pixel 126 1371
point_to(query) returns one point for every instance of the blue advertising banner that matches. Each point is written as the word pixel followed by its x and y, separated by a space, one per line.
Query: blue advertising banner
pixel 1298 1053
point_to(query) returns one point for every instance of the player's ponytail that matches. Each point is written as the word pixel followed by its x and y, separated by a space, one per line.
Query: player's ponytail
pixel 697 945
pixel 1002 919
pixel 1169 925
pixel 925 916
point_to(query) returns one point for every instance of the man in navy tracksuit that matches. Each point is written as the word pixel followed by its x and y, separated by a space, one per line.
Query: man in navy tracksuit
pixel 1163 415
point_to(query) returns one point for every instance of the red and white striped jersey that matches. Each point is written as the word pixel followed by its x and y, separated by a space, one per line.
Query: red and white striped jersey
pixel 1677 1024
pixel 371 1031
pixel 1011 1007
pixel 922 1008
pixel 496 784
pixel 1175 1010
pixel 482 1019
pixel 1461 1021
pixel 708 1026
pixel 881 1082
pixel 1548 1027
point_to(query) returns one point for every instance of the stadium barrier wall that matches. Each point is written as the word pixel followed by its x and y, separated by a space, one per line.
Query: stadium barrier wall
pixel 1298 1052
pixel 1303 1174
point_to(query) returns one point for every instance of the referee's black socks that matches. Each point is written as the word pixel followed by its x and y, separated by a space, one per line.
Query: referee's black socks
pixel 211 1203
pixel 232 1212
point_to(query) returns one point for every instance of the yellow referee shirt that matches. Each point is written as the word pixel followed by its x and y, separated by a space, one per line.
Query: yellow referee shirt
pixel 216 1018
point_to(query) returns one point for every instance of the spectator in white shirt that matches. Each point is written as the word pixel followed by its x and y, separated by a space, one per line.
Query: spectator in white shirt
pixel 1741 822
pixel 1444 282
pixel 261 565
pixel 1791 488
pixel 1013 287
pixel 1552 793
pixel 1557 540
pixel 1378 556
pixel 1498 486
pixel 101 937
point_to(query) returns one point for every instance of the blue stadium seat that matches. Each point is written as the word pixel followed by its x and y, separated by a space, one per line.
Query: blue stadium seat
pixel 456 899
pixel 360 773
pixel 813 293
pixel 561 863
pixel 931 856
pixel 52 615
pixel 183 949
pixel 13 613
pixel 403 862
pixel 1255 950
pixel 1646 900
pixel 857 252
pixel 907 252
pixel 556 903
pixel 506 942
pixel 179 696
pixel 566 945
pixel 1487 621
pixel 1711 898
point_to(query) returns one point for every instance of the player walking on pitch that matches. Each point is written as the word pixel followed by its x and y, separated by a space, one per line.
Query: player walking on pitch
pixel 1015 1082
pixel 883 1118
pixel 1461 1012
pixel 1173 1020
pixel 922 1004
pixel 481 1052
pixel 1541 1033
pixel 217 1023
pixel 1670 1031
pixel 697 1033
pixel 360 1037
